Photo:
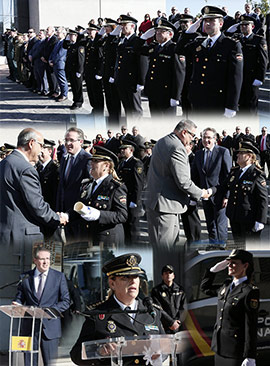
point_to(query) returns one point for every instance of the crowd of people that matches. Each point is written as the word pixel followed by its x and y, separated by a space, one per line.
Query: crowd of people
pixel 213 62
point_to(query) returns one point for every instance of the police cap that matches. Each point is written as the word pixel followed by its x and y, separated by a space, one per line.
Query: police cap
pixel 128 143
pixel 102 154
pixel 127 19
pixel 247 146
pixel 124 265
pixel 109 21
pixel 167 268
pixel 48 143
pixel 246 19
pixel 185 18
pixel 243 255
pixel 165 24
pixel 92 26
pixel 212 12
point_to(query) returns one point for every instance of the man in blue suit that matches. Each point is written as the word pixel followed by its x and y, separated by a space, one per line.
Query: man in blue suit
pixel 74 167
pixel 210 167
pixel 44 287
pixel 57 60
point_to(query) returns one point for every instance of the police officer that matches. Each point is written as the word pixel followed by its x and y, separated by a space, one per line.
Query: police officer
pixel 130 170
pixel 166 71
pixel 217 66
pixel 255 64
pixel 171 297
pixel 235 332
pixel 247 204
pixel 123 274
pixel 75 67
pixel 105 198
pixel 92 69
pixel 48 172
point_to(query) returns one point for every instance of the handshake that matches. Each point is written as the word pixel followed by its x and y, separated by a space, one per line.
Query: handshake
pixel 206 193
pixel 63 217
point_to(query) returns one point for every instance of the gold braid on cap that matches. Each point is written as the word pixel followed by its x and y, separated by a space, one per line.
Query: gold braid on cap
pixel 122 270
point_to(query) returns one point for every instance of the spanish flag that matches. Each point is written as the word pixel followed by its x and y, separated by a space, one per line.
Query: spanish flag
pixel 21 343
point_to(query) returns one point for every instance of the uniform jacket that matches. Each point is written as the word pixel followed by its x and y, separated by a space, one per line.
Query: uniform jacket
pixel 58 56
pixel 114 325
pixel 166 72
pixel 49 179
pixel 168 181
pixel 110 198
pixel 23 211
pixel 31 44
pixel 75 57
pixel 113 145
pixel 93 54
pixel 172 300
pixel 55 295
pixel 108 45
pixel 69 191
pixel 248 199
pixel 217 73
pixel 235 331
pixel 227 142
pixel 218 169
pixel 132 174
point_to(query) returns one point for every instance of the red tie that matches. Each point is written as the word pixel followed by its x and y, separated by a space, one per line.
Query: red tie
pixel 262 142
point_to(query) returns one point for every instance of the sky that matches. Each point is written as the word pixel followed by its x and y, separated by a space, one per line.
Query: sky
pixel 196 5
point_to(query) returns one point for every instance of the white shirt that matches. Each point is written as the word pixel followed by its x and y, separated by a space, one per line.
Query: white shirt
pixel 132 306
pixel 74 158
pixel 237 281
pixel 244 170
pixel 46 163
pixel 36 278
pixel 99 181
pixel 214 38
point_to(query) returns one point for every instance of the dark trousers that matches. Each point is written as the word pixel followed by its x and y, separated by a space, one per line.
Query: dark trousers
pixel 61 80
pixel 248 102
pixel 242 231
pixel 94 91
pixel 40 76
pixel 160 110
pixel 192 224
pixel 216 221
pixel 76 87
pixel 265 158
pixel 131 101
pixel 112 102
pixel 53 86
pixel 227 361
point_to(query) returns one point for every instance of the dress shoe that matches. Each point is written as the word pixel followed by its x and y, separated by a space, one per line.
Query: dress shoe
pixel 55 95
pixel 74 107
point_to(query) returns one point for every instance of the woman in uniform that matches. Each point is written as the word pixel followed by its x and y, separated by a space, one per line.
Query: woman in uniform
pixel 235 332
pixel 247 202
pixel 103 203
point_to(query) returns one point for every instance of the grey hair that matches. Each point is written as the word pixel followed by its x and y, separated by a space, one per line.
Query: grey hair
pixel 40 249
pixel 25 136
pixel 78 130
pixel 210 129
pixel 185 124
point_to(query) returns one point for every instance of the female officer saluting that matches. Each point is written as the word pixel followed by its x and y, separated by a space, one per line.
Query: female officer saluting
pixel 103 205
pixel 235 332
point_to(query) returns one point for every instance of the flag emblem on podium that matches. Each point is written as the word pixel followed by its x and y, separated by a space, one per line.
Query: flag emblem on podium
pixel 21 343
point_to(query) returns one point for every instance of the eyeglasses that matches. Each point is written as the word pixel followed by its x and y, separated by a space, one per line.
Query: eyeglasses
pixel 30 32
pixel 71 140
pixel 191 133
pixel 40 144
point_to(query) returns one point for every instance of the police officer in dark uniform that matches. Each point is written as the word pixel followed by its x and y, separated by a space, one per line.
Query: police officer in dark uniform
pixel 171 297
pixel 130 68
pixel 48 171
pixel 130 170
pixel 217 66
pixel 166 71
pixel 123 274
pixel 255 64
pixel 103 202
pixel 92 69
pixel 109 46
pixel 247 204
pixel 235 332
pixel 75 67
pixel 148 146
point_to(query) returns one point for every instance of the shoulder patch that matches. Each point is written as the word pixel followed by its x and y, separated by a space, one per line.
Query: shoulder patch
pixel 254 303
pixel 85 180
pixel 139 170
pixel 239 57
pixel 82 49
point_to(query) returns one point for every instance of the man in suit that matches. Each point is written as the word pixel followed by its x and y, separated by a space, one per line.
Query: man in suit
pixel 125 134
pixel 210 168
pixel 43 287
pixel 24 215
pixel 57 61
pixel 263 142
pixel 48 172
pixel 48 46
pixel 38 65
pixel 112 143
pixel 237 137
pixel 31 42
pixel 123 276
pixel 226 141
pixel 74 167
pixel 169 185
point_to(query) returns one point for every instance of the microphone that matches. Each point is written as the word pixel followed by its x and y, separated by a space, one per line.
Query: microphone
pixel 148 303
pixel 24 278
pixel 15 282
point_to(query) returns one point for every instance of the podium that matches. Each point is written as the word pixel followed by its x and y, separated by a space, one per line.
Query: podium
pixel 141 346
pixel 25 342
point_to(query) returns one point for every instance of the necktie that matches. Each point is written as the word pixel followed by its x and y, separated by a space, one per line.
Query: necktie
pixel 93 187
pixel 232 286
pixel 70 164
pixel 209 43
pixel 130 315
pixel 262 143
pixel 207 159
pixel 40 285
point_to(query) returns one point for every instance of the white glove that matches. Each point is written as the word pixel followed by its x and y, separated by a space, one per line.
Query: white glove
pixel 229 113
pixel 65 216
pixel 139 87
pixel 148 353
pixel 98 77
pixel 233 28
pixel 78 75
pixel 249 362
pixel 148 34
pixel 132 205
pixel 257 82
pixel 219 266
pixel 193 28
pixel 111 80
pixel 177 24
pixel 88 213
pixel 174 102
pixel 257 227
pixel 117 30
pixel 102 31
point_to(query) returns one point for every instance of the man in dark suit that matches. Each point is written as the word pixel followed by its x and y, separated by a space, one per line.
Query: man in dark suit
pixel 31 42
pixel 112 143
pixel 125 134
pixel 237 137
pixel 74 167
pixel 226 141
pixel 48 46
pixel 43 287
pixel 228 20
pixel 263 142
pixel 48 172
pixel 24 215
pixel 210 168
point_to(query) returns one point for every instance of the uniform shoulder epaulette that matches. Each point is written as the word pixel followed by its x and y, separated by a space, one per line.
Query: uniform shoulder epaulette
pixel 253 287
pixel 85 180
pixel 235 167
pixel 93 306
pixel 230 39
pixel 157 306
pixel 117 182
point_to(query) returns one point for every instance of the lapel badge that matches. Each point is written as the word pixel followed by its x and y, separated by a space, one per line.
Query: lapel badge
pixel 101 316
pixel 232 178
pixel 163 294
pixel 83 194
pixel 222 291
pixel 198 48
pixel 253 303
pixel 111 326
